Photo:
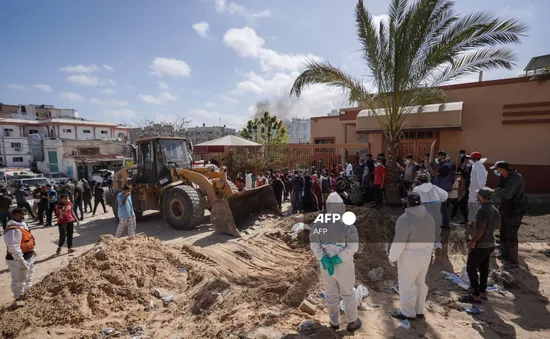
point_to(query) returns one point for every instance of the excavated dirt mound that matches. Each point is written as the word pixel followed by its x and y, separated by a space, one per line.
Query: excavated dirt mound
pixel 124 284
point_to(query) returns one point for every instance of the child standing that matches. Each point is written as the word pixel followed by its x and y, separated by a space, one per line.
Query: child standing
pixel 21 255
pixel 66 221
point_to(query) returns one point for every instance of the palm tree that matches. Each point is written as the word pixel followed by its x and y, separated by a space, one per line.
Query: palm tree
pixel 422 45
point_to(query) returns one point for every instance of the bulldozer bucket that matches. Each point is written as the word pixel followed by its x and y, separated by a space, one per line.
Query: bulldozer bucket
pixel 227 213
pixel 252 201
pixel 222 218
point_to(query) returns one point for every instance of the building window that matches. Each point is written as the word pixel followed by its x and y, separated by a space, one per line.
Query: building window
pixel 17 159
pixel 16 145
pixel 418 135
pixel 23 109
pixel 8 132
pixel 121 135
pixel 88 151
pixel 324 141
pixel 86 131
pixel 67 130
pixel 104 132
pixel 33 131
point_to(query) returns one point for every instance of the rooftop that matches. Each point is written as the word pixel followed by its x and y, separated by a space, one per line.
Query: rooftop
pixel 538 62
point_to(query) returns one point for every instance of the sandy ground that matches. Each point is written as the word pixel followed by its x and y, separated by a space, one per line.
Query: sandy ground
pixel 261 281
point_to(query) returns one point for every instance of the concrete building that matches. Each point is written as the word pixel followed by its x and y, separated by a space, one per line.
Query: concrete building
pixel 299 130
pixel 79 158
pixel 506 119
pixel 17 122
pixel 204 133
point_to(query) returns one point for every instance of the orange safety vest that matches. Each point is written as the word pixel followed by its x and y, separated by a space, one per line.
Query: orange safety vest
pixel 27 239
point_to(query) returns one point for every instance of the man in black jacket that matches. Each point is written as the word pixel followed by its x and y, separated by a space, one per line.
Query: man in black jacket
pixel 511 190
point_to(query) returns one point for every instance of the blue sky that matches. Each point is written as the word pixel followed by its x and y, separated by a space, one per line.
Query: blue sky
pixel 206 60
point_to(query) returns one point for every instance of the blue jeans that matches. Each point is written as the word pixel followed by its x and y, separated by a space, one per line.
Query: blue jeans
pixel 5 216
pixel 296 201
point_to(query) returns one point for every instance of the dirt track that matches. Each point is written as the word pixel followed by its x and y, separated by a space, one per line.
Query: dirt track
pixel 260 280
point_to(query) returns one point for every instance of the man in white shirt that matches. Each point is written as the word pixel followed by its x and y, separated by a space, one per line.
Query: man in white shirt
pixel 349 168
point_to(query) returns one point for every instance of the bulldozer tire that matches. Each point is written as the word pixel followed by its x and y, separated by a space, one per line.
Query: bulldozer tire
pixel 182 207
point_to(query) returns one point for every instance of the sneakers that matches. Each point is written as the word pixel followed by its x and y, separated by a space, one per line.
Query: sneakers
pixel 334 327
pixel 420 316
pixel 70 250
pixel 58 252
pixel 354 326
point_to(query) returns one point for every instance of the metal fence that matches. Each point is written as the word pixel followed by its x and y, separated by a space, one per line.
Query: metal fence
pixel 292 156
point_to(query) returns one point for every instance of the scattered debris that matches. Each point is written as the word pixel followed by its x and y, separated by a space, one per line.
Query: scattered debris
pixel 455 279
pixel 405 324
pixel 108 330
pixel 471 310
pixel 376 274
pixel 501 277
pixel 167 300
pixel 361 292
pixel 308 307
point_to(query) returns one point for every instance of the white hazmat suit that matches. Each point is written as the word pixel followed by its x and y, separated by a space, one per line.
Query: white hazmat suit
pixel 248 182
pixel 478 179
pixel 21 269
pixel 337 239
pixel 432 197
pixel 412 249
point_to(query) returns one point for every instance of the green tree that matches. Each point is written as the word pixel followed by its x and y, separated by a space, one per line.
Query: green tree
pixel 266 130
pixel 422 45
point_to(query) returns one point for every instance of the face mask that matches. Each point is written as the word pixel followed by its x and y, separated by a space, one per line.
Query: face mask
pixel 437 161
pixel 407 162
pixel 461 155
pixel 497 173
pixel 469 165
pixel 471 161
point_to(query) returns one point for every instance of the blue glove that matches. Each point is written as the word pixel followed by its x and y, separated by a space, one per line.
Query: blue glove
pixel 329 263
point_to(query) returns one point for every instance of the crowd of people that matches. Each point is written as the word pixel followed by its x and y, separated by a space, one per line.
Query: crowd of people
pixel 428 188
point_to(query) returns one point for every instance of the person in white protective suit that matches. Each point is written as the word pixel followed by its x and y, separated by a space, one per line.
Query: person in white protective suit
pixel 478 179
pixel 247 181
pixel 412 250
pixel 20 256
pixel 432 197
pixel 333 244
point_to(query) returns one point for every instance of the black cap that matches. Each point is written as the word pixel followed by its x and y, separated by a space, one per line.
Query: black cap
pixel 409 156
pixel 502 165
pixel 126 187
pixel 442 153
pixel 413 200
pixel 485 192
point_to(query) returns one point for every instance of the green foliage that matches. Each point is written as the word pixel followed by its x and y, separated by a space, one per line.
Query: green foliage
pixel 423 45
pixel 129 163
pixel 266 130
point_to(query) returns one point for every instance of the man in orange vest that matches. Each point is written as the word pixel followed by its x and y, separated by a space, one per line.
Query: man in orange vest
pixel 20 256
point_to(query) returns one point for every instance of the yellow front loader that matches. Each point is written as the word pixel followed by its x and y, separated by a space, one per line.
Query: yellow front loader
pixel 163 179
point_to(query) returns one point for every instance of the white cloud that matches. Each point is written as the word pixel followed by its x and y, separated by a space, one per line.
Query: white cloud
pixel 161 99
pixel 210 104
pixel 230 99
pixel 87 80
pixel 171 67
pixel 314 101
pixel 162 85
pixel 202 29
pixel 45 88
pixel 213 118
pixel 108 91
pixel 125 112
pixel 247 44
pixel 81 69
pixel 233 8
pixel 17 86
pixel 108 68
pixel 119 103
pixel 70 96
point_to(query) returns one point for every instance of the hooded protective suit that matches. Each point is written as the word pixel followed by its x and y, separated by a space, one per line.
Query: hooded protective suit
pixel 432 197
pixel 478 179
pixel 248 181
pixel 21 269
pixel 330 241
pixel 412 249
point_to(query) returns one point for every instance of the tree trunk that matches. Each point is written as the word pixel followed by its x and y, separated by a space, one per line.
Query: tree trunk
pixel 393 190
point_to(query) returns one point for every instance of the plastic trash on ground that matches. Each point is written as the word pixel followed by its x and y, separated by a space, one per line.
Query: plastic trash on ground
pixel 471 310
pixel 168 299
pixel 405 324
pixel 464 276
pixel 361 292
pixel 455 279
pixel 108 330
pixel 297 228
pixel 305 324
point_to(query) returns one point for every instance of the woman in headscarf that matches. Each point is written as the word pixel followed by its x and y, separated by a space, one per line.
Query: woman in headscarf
pixel 316 193
pixel 239 181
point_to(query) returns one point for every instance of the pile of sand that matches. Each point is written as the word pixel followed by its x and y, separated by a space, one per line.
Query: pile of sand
pixel 110 278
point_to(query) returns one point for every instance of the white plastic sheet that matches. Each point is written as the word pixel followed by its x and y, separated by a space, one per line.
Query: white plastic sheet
pixel 361 292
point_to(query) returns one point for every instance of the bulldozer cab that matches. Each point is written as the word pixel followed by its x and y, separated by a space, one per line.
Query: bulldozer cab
pixel 155 157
